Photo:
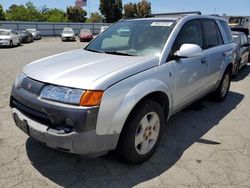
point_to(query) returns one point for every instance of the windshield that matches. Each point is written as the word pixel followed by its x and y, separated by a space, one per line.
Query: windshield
pixel 31 30
pixel 135 38
pixel 4 33
pixel 85 31
pixel 68 32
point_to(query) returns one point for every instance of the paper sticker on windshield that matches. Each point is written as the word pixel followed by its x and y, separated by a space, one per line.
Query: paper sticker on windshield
pixel 162 24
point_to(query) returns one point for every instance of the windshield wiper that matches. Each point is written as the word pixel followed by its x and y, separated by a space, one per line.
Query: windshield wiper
pixel 118 53
pixel 93 50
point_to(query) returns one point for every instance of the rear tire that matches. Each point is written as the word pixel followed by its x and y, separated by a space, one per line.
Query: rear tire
pixel 237 69
pixel 142 132
pixel 222 91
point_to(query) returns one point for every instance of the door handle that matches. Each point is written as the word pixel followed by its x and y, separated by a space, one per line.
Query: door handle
pixel 224 54
pixel 204 61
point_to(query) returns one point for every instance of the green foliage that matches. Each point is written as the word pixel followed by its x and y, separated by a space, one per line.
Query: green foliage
pixel 54 15
pixel 17 13
pixel 76 14
pixel 2 13
pixel 139 10
pixel 96 18
pixel 111 10
pixel 143 8
pixel 130 10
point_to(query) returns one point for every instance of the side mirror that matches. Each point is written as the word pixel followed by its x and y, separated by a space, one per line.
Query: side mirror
pixel 189 51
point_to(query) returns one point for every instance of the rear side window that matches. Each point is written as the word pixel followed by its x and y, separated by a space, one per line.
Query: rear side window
pixel 227 32
pixel 212 34
pixel 191 33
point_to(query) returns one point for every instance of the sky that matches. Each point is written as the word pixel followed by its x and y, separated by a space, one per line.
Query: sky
pixel 229 7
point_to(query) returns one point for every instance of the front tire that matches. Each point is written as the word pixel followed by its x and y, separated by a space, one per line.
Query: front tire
pixel 222 91
pixel 142 132
pixel 19 43
pixel 11 44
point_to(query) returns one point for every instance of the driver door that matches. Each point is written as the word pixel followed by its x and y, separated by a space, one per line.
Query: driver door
pixel 190 73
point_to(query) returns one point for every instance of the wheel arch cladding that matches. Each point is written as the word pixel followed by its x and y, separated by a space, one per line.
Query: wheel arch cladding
pixel 150 89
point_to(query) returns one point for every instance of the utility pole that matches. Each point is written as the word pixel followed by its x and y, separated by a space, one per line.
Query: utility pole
pixel 89 8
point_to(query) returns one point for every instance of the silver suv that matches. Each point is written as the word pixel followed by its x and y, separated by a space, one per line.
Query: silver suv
pixel 119 91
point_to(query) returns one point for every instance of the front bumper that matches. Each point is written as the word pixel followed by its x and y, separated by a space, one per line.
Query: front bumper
pixel 80 143
pixel 4 43
pixel 68 38
pixel 61 126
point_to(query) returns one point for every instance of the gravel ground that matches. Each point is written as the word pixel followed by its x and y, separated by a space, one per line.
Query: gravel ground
pixel 206 145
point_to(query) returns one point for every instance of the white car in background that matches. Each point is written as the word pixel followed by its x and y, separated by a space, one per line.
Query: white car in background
pixel 9 38
pixel 68 34
pixel 36 34
pixel 103 28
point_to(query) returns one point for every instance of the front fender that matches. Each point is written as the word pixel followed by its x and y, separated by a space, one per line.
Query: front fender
pixel 112 117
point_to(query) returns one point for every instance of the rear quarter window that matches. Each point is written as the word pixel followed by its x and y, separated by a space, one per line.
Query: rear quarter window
pixel 226 32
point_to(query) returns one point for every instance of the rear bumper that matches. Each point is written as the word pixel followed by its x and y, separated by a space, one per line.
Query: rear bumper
pixel 79 143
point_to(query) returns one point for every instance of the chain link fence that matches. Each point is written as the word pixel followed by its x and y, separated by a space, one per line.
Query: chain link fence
pixel 52 28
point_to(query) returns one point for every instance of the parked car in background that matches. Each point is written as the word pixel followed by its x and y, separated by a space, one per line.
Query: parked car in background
pixel 103 28
pixel 119 91
pixel 9 38
pixel 68 34
pixel 241 51
pixel 85 35
pixel 36 34
pixel 26 36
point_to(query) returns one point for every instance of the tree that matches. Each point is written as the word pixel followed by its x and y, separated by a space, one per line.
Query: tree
pixel 55 15
pixel 2 14
pixel 111 10
pixel 96 18
pixel 17 13
pixel 27 12
pixel 139 10
pixel 143 8
pixel 76 14
pixel 130 10
pixel 34 13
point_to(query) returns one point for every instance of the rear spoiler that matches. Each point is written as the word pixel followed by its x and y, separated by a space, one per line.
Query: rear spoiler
pixel 244 30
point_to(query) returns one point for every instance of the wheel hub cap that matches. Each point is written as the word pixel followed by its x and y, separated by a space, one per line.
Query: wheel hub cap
pixel 225 85
pixel 147 133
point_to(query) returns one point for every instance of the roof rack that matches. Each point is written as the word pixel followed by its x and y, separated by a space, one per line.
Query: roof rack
pixel 217 15
pixel 172 13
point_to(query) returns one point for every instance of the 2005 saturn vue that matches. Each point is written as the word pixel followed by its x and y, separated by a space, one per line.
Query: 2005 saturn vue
pixel 118 92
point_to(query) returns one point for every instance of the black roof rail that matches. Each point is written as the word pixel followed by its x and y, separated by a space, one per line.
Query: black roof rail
pixel 217 15
pixel 172 13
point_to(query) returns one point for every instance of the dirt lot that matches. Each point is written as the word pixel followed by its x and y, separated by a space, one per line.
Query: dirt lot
pixel 206 145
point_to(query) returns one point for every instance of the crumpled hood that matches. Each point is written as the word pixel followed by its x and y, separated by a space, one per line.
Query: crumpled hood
pixel 87 70
pixel 3 37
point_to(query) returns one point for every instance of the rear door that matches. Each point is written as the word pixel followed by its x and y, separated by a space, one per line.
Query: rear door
pixel 215 51
pixel 244 49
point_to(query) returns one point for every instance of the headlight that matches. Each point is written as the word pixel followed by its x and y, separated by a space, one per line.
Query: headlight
pixel 62 94
pixel 19 80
